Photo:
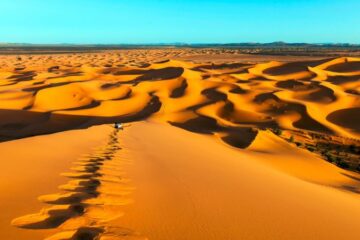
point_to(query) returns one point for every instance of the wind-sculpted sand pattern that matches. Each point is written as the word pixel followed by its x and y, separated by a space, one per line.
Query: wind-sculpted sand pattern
pixel 45 93
pixel 313 105
pixel 89 202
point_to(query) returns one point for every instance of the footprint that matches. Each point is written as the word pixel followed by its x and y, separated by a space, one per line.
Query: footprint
pixel 49 217
pixel 66 198
pixel 83 233
pixel 86 185
pixel 89 201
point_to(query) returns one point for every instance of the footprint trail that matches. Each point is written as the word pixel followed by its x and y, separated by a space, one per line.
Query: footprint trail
pixel 90 201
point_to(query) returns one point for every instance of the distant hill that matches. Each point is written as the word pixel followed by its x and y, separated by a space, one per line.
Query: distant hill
pixel 196 45
pixel 274 48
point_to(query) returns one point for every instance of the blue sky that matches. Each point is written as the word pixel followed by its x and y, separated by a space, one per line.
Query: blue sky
pixel 168 21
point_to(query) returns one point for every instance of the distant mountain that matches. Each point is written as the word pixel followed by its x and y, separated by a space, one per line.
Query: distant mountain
pixel 179 44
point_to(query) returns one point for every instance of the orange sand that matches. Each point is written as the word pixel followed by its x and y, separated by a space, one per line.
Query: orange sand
pixel 234 180
pixel 191 187
pixel 31 167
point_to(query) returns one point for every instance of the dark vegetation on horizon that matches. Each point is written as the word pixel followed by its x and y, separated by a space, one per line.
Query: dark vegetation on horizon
pixel 274 48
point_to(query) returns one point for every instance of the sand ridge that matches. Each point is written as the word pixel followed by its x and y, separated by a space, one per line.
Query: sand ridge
pixel 54 93
pixel 240 104
pixel 89 203
pixel 191 187
pixel 232 101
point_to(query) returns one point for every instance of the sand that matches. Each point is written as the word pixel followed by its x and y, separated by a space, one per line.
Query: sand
pixel 198 158
pixel 60 92
pixel 31 168
pixel 215 192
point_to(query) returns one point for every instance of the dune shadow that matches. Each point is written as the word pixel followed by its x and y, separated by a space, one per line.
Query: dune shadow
pixel 350 188
pixel 352 177
pixel 200 124
pixel 240 137
pixel 24 123
pixel 348 118
pixel 293 67
pixel 179 91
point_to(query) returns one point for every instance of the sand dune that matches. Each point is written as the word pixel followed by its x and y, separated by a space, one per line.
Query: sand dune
pixel 239 106
pixel 294 95
pixel 221 193
pixel 88 202
pixel 31 168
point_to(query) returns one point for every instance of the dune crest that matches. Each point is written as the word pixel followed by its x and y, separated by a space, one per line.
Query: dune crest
pixel 232 101
pixel 67 92
pixel 89 202
pixel 285 117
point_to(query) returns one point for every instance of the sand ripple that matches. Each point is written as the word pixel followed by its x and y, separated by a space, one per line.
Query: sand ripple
pixel 66 92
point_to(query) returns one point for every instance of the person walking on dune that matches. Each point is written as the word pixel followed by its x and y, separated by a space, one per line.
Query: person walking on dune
pixel 118 126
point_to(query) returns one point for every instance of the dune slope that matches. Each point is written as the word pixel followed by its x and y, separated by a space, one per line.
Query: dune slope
pixel 191 187
pixel 64 92
pixel 206 164
pixel 31 167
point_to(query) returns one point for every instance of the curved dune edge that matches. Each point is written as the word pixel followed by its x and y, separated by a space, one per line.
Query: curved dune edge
pixel 191 187
pixel 235 104
pixel 297 95
pixel 97 201
pixel 231 101
pixel 289 159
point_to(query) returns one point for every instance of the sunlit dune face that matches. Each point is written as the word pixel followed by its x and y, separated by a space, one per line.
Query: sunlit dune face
pixel 200 97
pixel 220 137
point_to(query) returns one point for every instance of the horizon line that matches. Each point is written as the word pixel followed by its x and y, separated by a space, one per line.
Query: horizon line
pixel 177 43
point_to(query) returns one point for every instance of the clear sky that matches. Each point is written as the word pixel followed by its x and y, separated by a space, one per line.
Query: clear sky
pixel 169 21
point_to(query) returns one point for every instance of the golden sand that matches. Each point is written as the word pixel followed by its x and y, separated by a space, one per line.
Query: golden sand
pixel 226 177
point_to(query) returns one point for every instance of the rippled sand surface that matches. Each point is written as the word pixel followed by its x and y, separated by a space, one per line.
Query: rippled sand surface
pixel 198 158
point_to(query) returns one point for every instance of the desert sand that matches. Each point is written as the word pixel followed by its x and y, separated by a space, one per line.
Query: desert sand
pixel 214 146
